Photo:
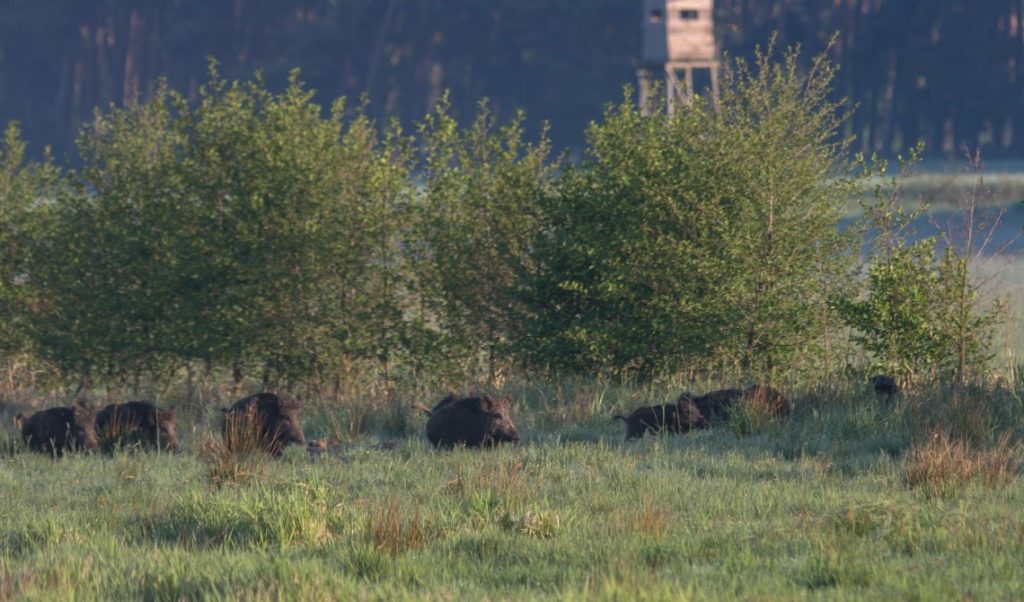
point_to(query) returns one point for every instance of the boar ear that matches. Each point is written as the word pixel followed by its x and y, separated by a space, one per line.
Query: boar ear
pixel 502 404
pixel 20 419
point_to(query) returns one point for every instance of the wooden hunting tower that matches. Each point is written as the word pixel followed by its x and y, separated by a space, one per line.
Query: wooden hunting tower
pixel 678 38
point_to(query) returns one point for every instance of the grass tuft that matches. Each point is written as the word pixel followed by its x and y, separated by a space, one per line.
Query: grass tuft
pixel 391 532
pixel 541 523
pixel 649 521
pixel 237 456
pixel 943 463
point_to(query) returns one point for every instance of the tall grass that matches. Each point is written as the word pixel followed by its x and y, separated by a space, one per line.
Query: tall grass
pixel 237 455
pixel 850 497
pixel 391 531
pixel 707 516
pixel 943 462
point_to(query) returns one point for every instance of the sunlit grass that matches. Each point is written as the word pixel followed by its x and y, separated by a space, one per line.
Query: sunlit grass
pixel 835 502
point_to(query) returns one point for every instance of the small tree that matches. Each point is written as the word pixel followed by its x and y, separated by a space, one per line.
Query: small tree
pixel 103 264
pixel 249 232
pixel 22 187
pixel 790 179
pixel 627 258
pixel 921 311
pixel 474 222
pixel 297 218
pixel 707 234
pixel 968 322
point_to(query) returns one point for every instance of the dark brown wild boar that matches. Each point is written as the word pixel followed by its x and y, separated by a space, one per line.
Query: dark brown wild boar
pixel 885 386
pixel 470 421
pixel 271 420
pixel 716 406
pixel 57 430
pixel 767 399
pixel 658 419
pixel 689 413
pixel 136 423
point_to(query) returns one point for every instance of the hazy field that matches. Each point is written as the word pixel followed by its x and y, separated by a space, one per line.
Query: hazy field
pixel 828 505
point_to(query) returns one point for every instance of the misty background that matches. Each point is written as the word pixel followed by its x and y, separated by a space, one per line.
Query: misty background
pixel 948 73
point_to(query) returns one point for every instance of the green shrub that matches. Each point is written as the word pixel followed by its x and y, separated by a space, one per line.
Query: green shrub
pixel 704 235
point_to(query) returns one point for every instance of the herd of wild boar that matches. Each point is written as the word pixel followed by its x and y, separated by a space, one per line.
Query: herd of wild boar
pixel 271 422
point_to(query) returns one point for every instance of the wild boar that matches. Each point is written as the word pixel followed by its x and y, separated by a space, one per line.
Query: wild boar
pixel 689 414
pixel 716 406
pixel 136 423
pixel 470 421
pixel 659 419
pixel 767 399
pixel 885 386
pixel 264 420
pixel 57 430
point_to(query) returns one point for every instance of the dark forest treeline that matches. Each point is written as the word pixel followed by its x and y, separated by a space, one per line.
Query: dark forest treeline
pixel 947 73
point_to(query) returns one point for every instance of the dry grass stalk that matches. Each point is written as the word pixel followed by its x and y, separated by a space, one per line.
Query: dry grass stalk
pixel 651 520
pixel 391 533
pixel 238 455
pixel 509 483
pixel 944 461
pixel 753 414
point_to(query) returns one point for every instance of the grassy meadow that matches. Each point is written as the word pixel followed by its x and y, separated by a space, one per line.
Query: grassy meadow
pixel 248 236
pixel 849 498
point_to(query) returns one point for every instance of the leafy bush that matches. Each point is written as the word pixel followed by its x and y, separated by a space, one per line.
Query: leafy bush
pixel 20 187
pixel 708 233
pixel 251 233
pixel 921 312
pixel 472 227
pixel 247 231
